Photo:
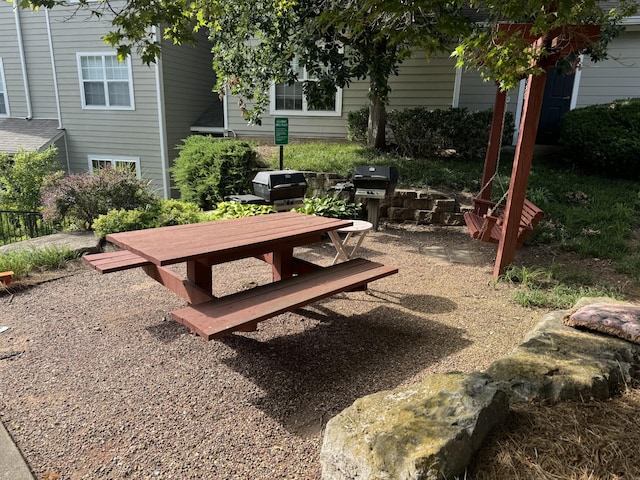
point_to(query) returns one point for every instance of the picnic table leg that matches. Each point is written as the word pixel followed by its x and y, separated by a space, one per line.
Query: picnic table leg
pixel 200 274
pixel 282 264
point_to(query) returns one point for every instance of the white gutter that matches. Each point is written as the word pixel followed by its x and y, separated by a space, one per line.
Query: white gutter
pixel 162 125
pixel 53 68
pixel 23 62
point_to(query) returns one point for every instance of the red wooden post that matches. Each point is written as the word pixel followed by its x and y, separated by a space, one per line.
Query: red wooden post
pixel 520 172
pixel 200 274
pixel 282 264
pixel 493 149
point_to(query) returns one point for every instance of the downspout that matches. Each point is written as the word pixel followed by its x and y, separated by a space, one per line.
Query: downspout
pixel 576 86
pixel 162 125
pixel 23 62
pixel 225 112
pixel 53 68
pixel 519 105
pixel 56 90
pixel 456 88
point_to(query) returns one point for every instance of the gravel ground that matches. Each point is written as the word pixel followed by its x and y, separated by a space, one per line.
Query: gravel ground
pixel 97 383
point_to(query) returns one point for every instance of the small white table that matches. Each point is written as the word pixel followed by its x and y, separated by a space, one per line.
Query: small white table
pixel 359 228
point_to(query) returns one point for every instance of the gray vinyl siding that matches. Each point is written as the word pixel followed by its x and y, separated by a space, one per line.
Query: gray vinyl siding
pixel 477 94
pixel 188 80
pixel 11 60
pixel 614 78
pixel 109 133
pixel 39 71
pixel 419 83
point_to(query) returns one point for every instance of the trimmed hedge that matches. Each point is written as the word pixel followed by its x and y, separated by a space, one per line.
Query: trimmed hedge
pixel 357 124
pixel 208 169
pixel 604 139
pixel 422 133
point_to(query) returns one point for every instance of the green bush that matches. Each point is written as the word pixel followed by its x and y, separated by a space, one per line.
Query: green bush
pixel 82 197
pixel 163 213
pixel 22 176
pixel 422 133
pixel 330 206
pixel 357 125
pixel 237 210
pixel 160 213
pixel 208 169
pixel 604 139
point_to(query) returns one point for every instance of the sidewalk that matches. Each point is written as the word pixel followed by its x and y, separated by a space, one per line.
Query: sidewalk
pixel 12 465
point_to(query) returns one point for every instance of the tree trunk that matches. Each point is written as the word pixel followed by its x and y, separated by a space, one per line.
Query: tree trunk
pixel 377 122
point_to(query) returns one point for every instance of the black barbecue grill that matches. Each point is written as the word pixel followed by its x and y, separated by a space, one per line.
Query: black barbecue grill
pixel 284 189
pixel 374 181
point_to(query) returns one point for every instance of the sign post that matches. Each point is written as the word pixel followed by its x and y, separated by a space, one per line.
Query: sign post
pixel 281 136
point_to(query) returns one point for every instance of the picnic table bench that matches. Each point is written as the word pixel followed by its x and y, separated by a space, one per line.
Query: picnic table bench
pixel 271 238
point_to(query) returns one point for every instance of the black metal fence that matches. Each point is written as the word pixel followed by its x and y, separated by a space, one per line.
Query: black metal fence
pixel 16 226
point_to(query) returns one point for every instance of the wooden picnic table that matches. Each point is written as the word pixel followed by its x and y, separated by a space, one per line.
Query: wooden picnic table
pixel 271 238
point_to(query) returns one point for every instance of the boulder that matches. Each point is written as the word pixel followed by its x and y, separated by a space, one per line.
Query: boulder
pixel 557 362
pixel 426 431
pixel 432 429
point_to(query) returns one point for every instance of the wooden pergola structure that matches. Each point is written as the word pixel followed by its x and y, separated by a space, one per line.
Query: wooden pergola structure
pixel 559 43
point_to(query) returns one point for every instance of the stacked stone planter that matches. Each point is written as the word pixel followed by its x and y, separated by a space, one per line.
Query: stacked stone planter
pixel 420 207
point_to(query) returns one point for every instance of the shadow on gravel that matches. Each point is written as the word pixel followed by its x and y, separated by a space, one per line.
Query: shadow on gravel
pixel 308 377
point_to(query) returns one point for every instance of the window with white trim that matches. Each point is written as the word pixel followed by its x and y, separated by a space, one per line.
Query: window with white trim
pixel 100 162
pixel 105 82
pixel 4 101
pixel 289 99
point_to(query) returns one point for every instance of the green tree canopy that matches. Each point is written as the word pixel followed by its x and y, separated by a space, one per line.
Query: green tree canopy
pixel 257 43
pixel 507 55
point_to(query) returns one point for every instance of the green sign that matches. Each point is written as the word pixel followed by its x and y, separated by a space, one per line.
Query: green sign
pixel 281 131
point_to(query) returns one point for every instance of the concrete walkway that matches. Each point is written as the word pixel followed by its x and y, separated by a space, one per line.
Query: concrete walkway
pixel 12 464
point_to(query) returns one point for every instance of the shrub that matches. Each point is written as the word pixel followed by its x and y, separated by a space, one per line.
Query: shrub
pixel 237 210
pixel 164 213
pixel 160 213
pixel 208 169
pixel 357 125
pixel 421 133
pixel 83 197
pixel 604 139
pixel 22 176
pixel 330 206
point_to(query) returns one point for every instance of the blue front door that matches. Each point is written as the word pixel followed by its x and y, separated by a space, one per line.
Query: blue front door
pixel 555 103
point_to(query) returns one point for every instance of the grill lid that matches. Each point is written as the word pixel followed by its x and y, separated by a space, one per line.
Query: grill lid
pixel 280 179
pixel 376 172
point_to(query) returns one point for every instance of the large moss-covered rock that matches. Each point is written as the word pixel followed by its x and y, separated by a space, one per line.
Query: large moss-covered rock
pixel 557 362
pixel 432 429
pixel 426 431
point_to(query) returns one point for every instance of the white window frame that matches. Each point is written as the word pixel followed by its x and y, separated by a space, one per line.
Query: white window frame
pixel 337 112
pixel 113 160
pixel 105 81
pixel 3 91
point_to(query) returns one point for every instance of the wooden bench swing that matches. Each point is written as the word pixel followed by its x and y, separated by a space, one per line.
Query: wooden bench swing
pixel 486 220
pixel 487 227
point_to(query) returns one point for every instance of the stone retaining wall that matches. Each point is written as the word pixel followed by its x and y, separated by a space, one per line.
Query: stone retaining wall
pixel 417 206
